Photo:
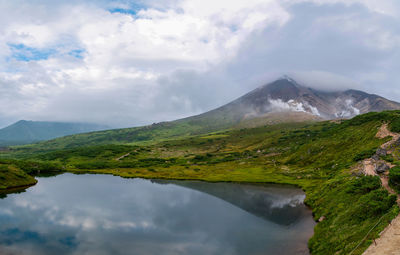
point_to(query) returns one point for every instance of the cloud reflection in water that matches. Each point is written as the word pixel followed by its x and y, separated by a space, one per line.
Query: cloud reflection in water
pixel 100 214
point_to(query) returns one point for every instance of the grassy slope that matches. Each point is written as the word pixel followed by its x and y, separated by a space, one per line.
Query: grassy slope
pixel 165 130
pixel 11 177
pixel 318 157
pixel 200 124
pixel 196 125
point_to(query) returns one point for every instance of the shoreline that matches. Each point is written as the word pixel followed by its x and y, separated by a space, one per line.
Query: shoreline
pixel 15 189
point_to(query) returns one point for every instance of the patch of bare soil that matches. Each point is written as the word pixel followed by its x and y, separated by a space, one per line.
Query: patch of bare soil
pixel 383 133
pixel 369 167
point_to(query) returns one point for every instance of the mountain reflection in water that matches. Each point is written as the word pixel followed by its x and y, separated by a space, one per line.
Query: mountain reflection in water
pixel 101 214
pixel 280 204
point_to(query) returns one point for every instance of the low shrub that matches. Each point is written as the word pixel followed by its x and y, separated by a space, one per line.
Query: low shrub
pixel 394 177
pixel 363 185
pixel 395 125
pixel 373 204
pixel 33 167
pixel 364 154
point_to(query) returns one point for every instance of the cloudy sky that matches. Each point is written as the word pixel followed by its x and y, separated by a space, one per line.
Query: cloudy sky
pixel 128 63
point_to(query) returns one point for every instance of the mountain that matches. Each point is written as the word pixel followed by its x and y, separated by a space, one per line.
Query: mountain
pixel 286 95
pixel 24 132
pixel 281 101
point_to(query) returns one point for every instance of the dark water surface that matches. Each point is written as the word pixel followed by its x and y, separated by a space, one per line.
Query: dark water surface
pixel 102 214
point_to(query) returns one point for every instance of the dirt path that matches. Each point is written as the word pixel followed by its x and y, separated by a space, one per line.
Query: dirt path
pixel 383 133
pixel 385 184
pixel 389 241
pixel 123 156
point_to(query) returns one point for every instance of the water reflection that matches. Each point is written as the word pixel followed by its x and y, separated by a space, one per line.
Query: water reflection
pixel 280 204
pixel 100 214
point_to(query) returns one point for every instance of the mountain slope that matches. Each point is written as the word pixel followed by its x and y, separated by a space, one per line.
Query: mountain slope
pixel 23 132
pixel 281 101
pixel 286 95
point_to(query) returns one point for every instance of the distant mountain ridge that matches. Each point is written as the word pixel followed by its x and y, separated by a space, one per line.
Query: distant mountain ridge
pixel 281 101
pixel 24 132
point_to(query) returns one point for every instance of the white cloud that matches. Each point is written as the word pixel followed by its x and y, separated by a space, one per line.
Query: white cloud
pixel 324 80
pixel 176 58
pixel 385 7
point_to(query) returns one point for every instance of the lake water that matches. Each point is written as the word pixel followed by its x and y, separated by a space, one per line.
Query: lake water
pixel 103 214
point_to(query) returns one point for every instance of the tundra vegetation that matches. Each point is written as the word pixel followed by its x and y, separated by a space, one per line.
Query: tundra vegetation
pixel 319 157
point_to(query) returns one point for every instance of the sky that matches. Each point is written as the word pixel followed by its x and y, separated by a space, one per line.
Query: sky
pixel 129 63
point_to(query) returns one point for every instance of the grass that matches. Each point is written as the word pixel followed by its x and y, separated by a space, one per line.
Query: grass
pixel 318 157
pixel 142 135
pixel 12 177
pixel 349 207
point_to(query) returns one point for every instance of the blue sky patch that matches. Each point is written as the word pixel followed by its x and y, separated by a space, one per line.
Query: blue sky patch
pixel 133 9
pixel 22 52
pixel 77 53
pixel 124 11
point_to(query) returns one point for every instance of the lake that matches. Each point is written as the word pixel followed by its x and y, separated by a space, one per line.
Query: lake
pixel 104 214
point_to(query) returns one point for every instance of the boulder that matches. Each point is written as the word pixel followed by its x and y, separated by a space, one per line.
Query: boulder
pixel 381 168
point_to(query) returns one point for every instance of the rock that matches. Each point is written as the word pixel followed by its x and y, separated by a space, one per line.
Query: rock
pixel 375 157
pixel 381 168
pixel 381 152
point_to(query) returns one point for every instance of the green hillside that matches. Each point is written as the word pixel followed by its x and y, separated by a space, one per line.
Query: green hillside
pixel 178 129
pixel 12 177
